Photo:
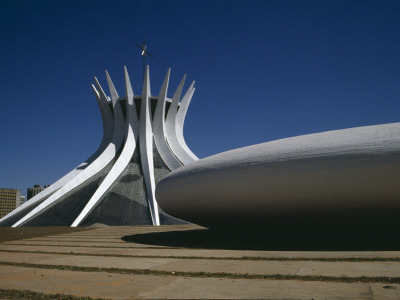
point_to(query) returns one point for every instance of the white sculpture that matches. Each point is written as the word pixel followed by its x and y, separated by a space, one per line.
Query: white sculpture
pixel 123 136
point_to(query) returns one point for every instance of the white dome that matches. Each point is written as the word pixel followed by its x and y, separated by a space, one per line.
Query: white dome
pixel 337 181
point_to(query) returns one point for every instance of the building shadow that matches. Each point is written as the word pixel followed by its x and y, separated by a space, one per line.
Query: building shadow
pixel 209 239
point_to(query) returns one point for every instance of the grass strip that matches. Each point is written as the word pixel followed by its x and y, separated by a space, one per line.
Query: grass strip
pixel 66 237
pixel 250 258
pixel 25 294
pixel 83 246
pixel 80 241
pixel 362 279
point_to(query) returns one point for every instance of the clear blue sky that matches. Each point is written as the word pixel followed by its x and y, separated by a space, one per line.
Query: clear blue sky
pixel 264 70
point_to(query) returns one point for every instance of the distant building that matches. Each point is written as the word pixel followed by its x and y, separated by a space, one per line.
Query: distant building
pixel 23 200
pixel 9 200
pixel 36 189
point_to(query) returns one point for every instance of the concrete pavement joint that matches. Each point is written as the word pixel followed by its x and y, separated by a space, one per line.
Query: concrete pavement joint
pixel 370 291
pixel 301 267
pixel 364 279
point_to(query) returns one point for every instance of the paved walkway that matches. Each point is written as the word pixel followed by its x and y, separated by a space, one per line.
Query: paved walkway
pixel 116 263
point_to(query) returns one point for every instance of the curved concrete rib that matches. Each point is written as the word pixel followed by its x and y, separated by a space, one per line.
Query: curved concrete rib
pixel 123 159
pixel 171 126
pixel 146 149
pixel 107 118
pixel 96 166
pixel 180 119
pixel 108 124
pixel 160 137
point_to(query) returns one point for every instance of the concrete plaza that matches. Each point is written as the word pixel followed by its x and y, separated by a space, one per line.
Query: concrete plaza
pixel 187 261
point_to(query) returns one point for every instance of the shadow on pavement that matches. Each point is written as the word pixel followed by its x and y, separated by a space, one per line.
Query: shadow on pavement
pixel 209 239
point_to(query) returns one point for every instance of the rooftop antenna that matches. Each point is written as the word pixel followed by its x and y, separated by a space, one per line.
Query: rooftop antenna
pixel 144 54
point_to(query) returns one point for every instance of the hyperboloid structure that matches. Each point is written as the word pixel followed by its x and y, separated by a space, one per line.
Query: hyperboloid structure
pixel 142 142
